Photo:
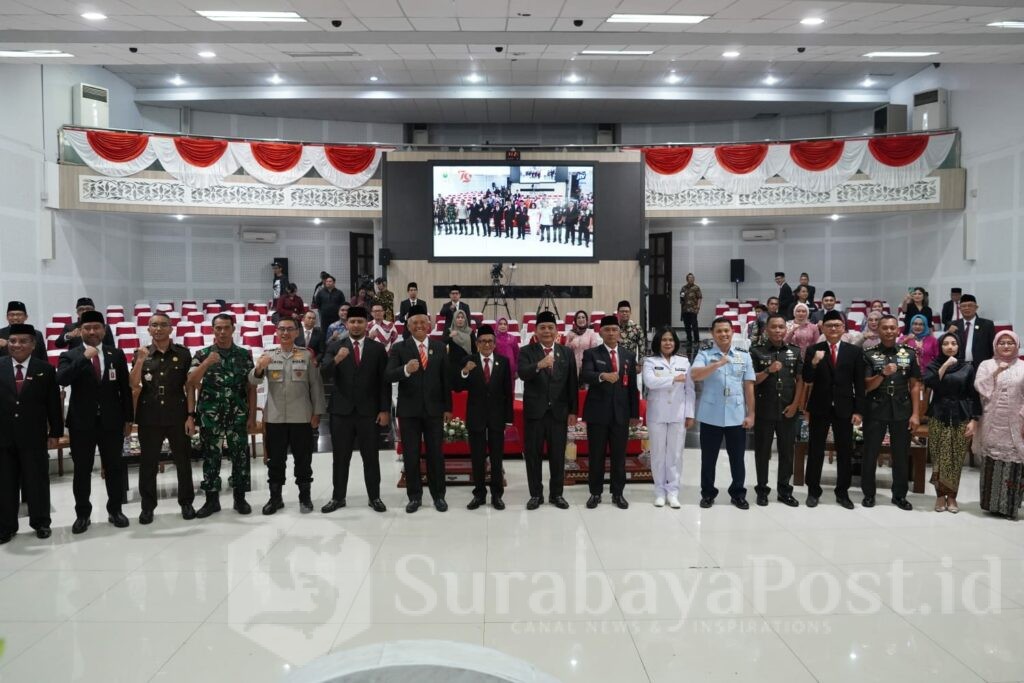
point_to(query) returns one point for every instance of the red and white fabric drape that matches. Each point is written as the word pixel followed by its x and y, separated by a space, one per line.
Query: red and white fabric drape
pixel 814 166
pixel 204 162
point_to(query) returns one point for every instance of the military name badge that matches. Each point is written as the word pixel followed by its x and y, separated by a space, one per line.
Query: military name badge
pixel 275 372
pixel 903 358
pixel 148 377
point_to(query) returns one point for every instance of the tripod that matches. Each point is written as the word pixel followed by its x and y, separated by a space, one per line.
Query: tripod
pixel 547 302
pixel 497 299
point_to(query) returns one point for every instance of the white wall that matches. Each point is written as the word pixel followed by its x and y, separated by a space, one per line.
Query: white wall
pixel 985 103
pixel 856 122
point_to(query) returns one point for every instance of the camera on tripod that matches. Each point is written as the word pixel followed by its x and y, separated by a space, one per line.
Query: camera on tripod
pixel 497 271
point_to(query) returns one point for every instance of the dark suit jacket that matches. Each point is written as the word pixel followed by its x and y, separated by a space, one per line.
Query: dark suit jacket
pixel 811 289
pixel 609 403
pixel 947 314
pixel 556 391
pixel 363 390
pixel 403 309
pixel 448 313
pixel 427 392
pixel 489 403
pixel 841 387
pixel 38 352
pixel 75 342
pixel 786 299
pixel 111 399
pixel 26 419
pixel 983 341
pixel 316 341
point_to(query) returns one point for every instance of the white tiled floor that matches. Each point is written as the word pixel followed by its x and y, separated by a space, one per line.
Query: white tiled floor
pixel 605 595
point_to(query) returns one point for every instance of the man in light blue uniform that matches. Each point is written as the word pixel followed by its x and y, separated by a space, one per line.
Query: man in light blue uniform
pixel 725 410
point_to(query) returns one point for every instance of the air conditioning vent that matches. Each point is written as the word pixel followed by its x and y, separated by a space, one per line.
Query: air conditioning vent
pixel 322 55
pixel 90 105
pixel 761 235
pixel 92 92
pixel 259 236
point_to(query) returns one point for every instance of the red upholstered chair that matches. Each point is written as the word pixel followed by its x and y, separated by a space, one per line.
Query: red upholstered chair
pixel 193 341
pixel 142 319
pixel 127 342
pixel 184 328
pixel 196 318
pixel 53 355
pixel 237 309
pixel 252 339
pixel 269 329
pixel 595 316
pixel 115 318
pixel 61 318
pixel 206 329
pixel 253 316
pixel 261 308
pixel 211 308
pixel 529 317
pixel 476 318
pixel 1001 326
pixel 140 309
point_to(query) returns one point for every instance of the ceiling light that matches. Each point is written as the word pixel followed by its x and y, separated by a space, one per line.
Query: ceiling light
pixel 316 221
pixel 834 216
pixel 572 78
pixel 770 80
pixel 94 16
pixel 374 79
pixel 177 80
pixel 34 54
pixel 867 82
pixel 1006 24
pixel 731 54
pixel 704 221
pixel 656 18
pixel 207 54
pixel 474 77
pixel 276 79
pixel 179 217
pixel 673 78
pixel 889 53
pixel 812 21
pixel 621 53
pixel 231 15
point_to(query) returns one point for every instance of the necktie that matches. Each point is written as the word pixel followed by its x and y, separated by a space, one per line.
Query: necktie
pixel 956 312
pixel 967 333
pixel 96 367
pixel 423 356
pixel 487 369
pixel 835 354
pixel 615 362
pixel 355 353
pixel 19 377
pixel 547 352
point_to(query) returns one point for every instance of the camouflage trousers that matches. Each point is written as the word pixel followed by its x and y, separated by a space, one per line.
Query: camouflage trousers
pixel 225 441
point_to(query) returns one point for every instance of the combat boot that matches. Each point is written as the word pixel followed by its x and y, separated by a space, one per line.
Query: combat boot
pixel 211 505
pixel 275 503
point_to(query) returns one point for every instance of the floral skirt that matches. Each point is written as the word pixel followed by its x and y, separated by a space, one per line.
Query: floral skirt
pixel 948 447
pixel 1002 487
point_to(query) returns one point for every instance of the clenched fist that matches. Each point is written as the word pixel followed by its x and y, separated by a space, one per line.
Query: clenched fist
pixel 263 363
pixel 412 367
pixel 469 367
pixel 91 352
pixel 213 358
pixel 341 355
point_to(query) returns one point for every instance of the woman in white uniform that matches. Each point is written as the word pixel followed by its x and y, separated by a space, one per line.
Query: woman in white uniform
pixel 670 410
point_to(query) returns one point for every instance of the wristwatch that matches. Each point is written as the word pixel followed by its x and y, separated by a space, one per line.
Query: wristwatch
pixel 192 414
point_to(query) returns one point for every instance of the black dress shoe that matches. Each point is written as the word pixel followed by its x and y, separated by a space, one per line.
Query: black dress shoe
pixel 6 538
pixel 377 504
pixel 118 519
pixel 188 512
pixel 902 503
pixel 593 501
pixel 620 502
pixel 497 503
pixel 741 503
pixel 707 502
pixel 534 503
pixel 812 501
pixel 43 532
pixel 413 505
pixel 475 503
pixel 332 505
pixel 440 505
pixel 80 525
pixel 845 502
pixel 559 502
pixel 762 499
pixel 868 502
pixel 146 517
pixel 790 501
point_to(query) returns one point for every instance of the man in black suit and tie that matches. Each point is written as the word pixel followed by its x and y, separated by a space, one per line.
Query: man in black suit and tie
pixel 100 414
pixel 977 335
pixel 360 405
pixel 17 314
pixel 834 386
pixel 951 309
pixel 450 307
pixel 550 400
pixel 71 336
pixel 488 378
pixel 311 335
pixel 420 366
pixel 786 297
pixel 403 309
pixel 611 407
pixel 31 420
pixel 805 280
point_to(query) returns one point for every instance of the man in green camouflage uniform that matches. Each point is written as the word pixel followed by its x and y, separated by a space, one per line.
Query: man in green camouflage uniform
pixel 386 298
pixel 225 412
pixel 633 337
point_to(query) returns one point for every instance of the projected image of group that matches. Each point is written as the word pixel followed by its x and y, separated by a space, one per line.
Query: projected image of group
pixel 513 211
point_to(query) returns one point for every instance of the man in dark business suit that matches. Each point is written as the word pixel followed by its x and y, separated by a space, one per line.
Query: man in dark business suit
pixel 17 314
pixel 71 336
pixel 488 378
pixel 786 297
pixel 412 289
pixel 420 366
pixel 977 335
pixel 805 280
pixel 31 420
pixel 833 375
pixel 310 335
pixel 550 400
pixel 951 309
pixel 360 405
pixel 100 414
pixel 454 304
pixel 612 406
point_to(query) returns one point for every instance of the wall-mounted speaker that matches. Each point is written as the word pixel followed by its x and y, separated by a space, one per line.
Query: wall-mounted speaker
pixel 384 257
pixel 644 257
pixel 737 270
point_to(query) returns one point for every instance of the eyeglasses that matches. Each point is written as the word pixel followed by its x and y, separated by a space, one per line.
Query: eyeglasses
pixel 484 341
pixel 287 329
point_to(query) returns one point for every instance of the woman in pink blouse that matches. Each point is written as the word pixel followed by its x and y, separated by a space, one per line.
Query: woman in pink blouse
pixel 507 344
pixel 581 337
pixel 800 330
pixel 921 340
pixel 1000 438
